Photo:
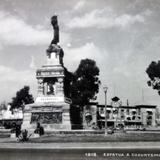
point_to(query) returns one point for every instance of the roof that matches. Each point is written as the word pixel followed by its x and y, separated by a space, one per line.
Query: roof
pixel 115 99
pixel 130 107
pixel 146 106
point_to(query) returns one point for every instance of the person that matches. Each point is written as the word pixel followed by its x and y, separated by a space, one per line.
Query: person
pixel 18 130
pixel 23 137
pixel 39 130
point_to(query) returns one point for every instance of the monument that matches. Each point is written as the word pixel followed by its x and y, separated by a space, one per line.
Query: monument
pixel 51 107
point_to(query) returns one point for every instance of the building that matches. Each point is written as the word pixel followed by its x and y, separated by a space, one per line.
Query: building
pixel 137 116
pixel 8 117
pixel 119 116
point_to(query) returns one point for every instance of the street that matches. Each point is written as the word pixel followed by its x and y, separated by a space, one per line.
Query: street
pixel 79 151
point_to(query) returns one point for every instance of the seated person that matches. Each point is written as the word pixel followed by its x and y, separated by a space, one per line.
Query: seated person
pixel 39 130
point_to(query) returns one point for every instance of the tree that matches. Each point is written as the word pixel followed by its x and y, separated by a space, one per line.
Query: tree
pixel 85 82
pixel 82 86
pixel 68 79
pixel 153 72
pixel 22 97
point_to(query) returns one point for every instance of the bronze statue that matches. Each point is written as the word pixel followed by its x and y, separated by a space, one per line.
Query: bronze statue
pixel 54 22
pixel 54 47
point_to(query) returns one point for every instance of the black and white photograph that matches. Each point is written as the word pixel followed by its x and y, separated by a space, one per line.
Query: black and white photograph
pixel 80 80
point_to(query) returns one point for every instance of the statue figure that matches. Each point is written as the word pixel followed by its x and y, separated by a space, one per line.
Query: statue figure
pixel 54 47
pixel 54 23
pixel 50 89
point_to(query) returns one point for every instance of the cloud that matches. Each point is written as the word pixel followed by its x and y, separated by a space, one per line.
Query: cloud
pixel 122 70
pixel 89 50
pixel 8 74
pixel 32 64
pixel 105 18
pixel 12 80
pixel 79 5
pixel 15 31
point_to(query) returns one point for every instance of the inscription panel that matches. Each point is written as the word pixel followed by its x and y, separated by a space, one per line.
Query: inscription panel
pixel 49 73
pixel 47 117
pixel 50 99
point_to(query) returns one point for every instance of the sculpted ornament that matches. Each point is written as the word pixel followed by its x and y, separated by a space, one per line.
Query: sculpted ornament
pixel 54 47
pixel 40 80
pixel 60 80
pixel 54 22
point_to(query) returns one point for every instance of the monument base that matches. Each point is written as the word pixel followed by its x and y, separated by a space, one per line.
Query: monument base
pixel 52 116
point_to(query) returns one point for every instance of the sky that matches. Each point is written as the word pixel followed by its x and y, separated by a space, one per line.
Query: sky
pixel 123 37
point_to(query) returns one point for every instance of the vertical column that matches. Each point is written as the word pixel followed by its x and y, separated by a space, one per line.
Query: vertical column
pixel 111 112
pixel 119 113
pixel 144 117
pixel 153 118
pixel 40 87
pixel 66 117
pixel 26 117
pixel 60 89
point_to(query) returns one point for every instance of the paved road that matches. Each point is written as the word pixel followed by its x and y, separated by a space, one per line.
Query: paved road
pixel 89 145
pixel 80 151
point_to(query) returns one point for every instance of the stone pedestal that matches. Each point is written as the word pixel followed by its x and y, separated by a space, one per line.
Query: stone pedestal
pixel 51 108
pixel 52 116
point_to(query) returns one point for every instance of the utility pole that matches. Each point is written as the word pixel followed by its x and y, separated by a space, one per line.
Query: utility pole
pixel 105 93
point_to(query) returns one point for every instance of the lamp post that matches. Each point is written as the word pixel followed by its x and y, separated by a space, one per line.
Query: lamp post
pixel 105 92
